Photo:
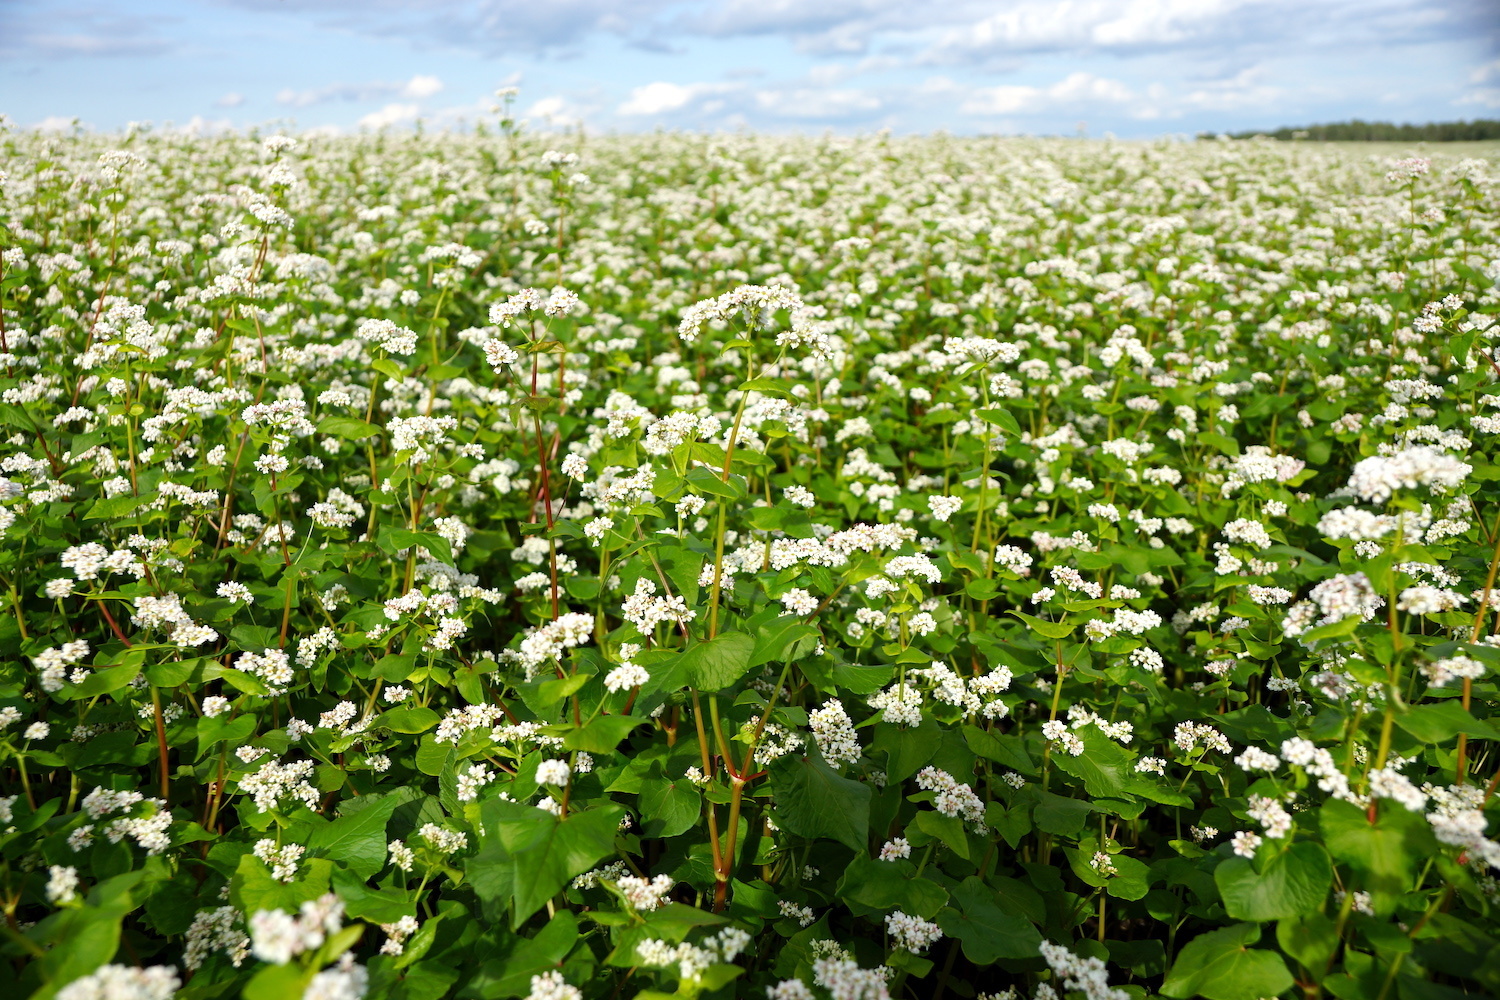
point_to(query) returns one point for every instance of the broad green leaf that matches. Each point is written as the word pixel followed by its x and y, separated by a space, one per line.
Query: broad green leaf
pixel 1294 883
pixel 1221 965
pixel 1044 628
pixel 214 731
pixel 719 662
pixel 907 750
pixel 358 841
pixel 348 428
pixel 113 508
pixel 433 757
pixel 669 807
pixel 986 932
pixel 813 800
pixel 1442 721
pixel 410 719
pixel 949 830
pixel 602 734
pixel 1001 748
pixel 543 851
pixel 532 956
pixel 888 885
pixel 1387 852
pixel 782 639
pixel 253 888
pixel 1104 767
pixel 707 481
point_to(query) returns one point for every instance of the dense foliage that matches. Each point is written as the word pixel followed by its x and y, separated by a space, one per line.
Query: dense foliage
pixel 1358 130
pixel 509 565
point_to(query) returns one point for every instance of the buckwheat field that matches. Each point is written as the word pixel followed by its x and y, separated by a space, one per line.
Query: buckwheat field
pixel 508 565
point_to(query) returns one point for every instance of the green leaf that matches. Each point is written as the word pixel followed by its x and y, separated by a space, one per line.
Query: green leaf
pixel 433 757
pixel 783 639
pixel 388 368
pixel 214 731
pixel 1442 721
pixel 947 829
pixel 1002 749
pixel 813 800
pixel 409 719
pixel 1386 851
pixel 602 734
pixel 1043 628
pixel 348 428
pixel 719 662
pixel 669 807
pixel 358 841
pixel 393 540
pixel 1220 965
pixel 1310 940
pixel 707 481
pixel 172 674
pixel 531 957
pixel 1001 418
pixel 252 887
pixel 278 982
pixel 393 668
pixel 768 387
pixel 986 932
pixel 111 508
pixel 105 681
pixel 1293 884
pixel 888 885
pixel 543 852
pixel 1103 767
pixel 1061 815
pixel 907 750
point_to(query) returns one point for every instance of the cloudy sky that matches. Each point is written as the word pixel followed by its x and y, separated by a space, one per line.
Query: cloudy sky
pixel 1131 67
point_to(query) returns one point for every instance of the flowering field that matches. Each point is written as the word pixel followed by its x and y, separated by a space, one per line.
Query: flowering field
pixel 505 565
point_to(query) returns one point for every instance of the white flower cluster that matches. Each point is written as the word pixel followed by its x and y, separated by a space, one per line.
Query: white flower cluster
pixel 1087 975
pixel 953 798
pixel 278 937
pixel 548 642
pixel 691 960
pixel 1376 478
pixel 834 733
pixel 217 929
pixel 911 933
pixel 123 982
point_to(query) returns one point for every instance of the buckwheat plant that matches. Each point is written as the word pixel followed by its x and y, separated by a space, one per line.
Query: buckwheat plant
pixel 499 565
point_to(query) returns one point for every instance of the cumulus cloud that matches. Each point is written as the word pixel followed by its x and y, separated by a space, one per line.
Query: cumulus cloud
pixel 1073 91
pixel 230 100
pixel 390 115
pixel 56 123
pixel 817 104
pixel 662 97
pixel 417 88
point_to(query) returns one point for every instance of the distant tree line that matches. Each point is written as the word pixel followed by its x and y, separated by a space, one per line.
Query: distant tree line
pixel 1363 131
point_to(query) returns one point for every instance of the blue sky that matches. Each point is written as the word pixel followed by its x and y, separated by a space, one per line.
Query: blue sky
pixel 1131 67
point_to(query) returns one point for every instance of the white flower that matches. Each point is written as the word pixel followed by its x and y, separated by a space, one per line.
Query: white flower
pixel 553 772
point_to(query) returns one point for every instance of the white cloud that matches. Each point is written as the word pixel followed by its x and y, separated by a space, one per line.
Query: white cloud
pixel 1484 74
pixel 807 103
pixel 1075 91
pixel 198 125
pixel 557 111
pixel 662 97
pixel 417 88
pixel 230 100
pixel 1484 97
pixel 56 123
pixel 391 114
pixel 421 86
